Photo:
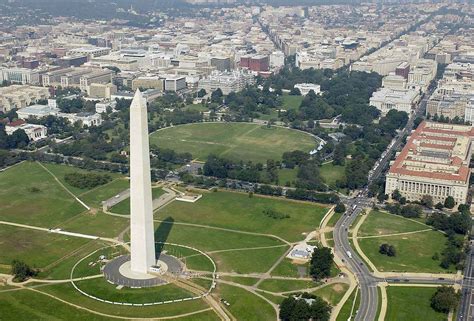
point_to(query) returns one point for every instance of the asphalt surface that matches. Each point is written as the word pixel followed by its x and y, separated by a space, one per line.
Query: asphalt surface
pixel 466 312
pixel 367 282
pixel 367 309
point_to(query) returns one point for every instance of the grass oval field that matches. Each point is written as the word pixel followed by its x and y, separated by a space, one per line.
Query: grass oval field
pixel 237 141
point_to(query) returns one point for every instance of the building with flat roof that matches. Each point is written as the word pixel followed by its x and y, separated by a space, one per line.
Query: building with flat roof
pixel 77 77
pixel 227 81
pixel 435 162
pixel 19 96
pixel 20 76
pixel 33 131
pixel 386 99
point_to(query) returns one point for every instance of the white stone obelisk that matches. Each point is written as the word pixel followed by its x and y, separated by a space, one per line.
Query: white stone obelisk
pixel 142 236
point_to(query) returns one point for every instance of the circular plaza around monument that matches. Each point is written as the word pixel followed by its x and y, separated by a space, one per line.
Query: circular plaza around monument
pixel 117 271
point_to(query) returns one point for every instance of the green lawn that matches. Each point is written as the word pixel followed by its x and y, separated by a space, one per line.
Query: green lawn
pixel 27 305
pixel 98 224
pixel 382 223
pixel 291 102
pixel 240 279
pixel 248 261
pixel 30 195
pixel 332 173
pixel 196 107
pixel 332 293
pixel 124 206
pixel 60 170
pixel 245 305
pixel 101 288
pixel 274 285
pixel 345 312
pixel 95 196
pixel 68 293
pixel 414 252
pixel 289 269
pixel 237 141
pixel 36 248
pixel 238 211
pixel 411 303
pixel 287 175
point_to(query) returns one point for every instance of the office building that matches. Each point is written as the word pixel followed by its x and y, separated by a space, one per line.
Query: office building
pixel 435 162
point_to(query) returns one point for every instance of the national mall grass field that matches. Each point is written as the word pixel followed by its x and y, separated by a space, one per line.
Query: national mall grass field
pixel 237 141
pixel 230 227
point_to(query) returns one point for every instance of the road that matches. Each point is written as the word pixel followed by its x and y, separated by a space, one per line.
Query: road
pixel 466 312
pixel 367 281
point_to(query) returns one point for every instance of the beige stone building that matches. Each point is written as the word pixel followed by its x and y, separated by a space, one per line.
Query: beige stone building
pixel 435 162
pixel 19 96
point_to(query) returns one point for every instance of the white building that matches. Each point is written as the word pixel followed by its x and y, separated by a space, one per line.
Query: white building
pixel 34 132
pixel 36 111
pixel 277 59
pixel 393 81
pixel 387 99
pixel 175 83
pixel 85 119
pixel 20 76
pixel 227 81
pixel 305 88
pixel 101 107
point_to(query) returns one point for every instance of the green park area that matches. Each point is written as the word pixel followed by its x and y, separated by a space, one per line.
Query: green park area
pixel 332 173
pixel 415 243
pixel 291 102
pixel 124 206
pixel 234 229
pixel 411 303
pixel 237 141
pixel 238 211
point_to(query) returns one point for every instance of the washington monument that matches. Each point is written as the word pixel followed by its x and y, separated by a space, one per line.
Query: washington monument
pixel 141 215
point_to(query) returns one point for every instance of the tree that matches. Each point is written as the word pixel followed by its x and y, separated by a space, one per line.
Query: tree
pixel 387 249
pixel 22 271
pixel 427 200
pixel 321 262
pixel 201 93
pixel 340 208
pixel 304 306
pixel 444 299
pixel 295 92
pixel 439 206
pixel 449 202
pixel 396 195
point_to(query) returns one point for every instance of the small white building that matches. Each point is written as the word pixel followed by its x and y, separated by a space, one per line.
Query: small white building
pixel 102 106
pixel 305 88
pixel 34 132
pixel 86 119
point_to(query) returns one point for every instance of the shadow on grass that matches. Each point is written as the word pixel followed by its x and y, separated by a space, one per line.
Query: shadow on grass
pixel 162 233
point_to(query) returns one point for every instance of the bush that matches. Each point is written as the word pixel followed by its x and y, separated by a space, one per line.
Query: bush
pixel 89 180
pixel 22 271
pixel 387 249
pixel 275 214
pixel 340 208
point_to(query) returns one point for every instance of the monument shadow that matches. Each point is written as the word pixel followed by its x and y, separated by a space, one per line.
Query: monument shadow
pixel 161 234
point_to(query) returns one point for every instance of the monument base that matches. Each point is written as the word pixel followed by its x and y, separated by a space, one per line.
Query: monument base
pixel 118 272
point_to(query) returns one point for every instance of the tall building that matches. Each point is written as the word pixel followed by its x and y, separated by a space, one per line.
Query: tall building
pixel 435 162
pixel 255 63
pixel 142 236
